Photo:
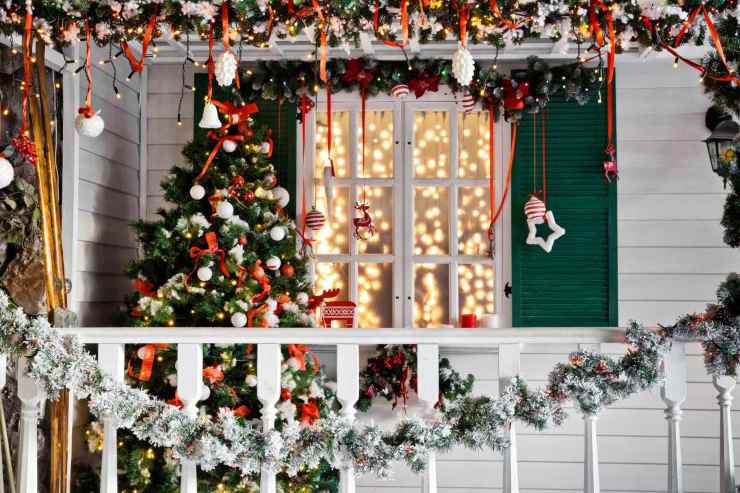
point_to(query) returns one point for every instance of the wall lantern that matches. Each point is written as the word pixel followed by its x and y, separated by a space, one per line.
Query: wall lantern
pixel 721 142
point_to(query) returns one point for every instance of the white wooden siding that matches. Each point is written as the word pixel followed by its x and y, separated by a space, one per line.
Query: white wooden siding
pixel 108 193
pixel 671 259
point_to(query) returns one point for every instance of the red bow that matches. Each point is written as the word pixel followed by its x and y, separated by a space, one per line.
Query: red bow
pixel 149 352
pixel 213 249
pixel 514 95
pixel 309 412
pixel 299 352
pixel 423 83
pixel 144 287
pixel 357 73
pixel 214 374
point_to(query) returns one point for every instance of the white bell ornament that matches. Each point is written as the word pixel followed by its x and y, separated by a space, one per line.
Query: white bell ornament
pixel 7 173
pixel 210 117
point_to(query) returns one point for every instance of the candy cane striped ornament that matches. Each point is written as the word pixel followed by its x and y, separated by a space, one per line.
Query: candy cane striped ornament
pixel 534 208
pixel 400 91
pixel 315 220
pixel 468 102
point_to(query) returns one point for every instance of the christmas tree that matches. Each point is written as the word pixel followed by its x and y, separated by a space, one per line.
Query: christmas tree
pixel 225 254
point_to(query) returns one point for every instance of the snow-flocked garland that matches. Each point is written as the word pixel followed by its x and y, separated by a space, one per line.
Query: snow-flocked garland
pixel 591 380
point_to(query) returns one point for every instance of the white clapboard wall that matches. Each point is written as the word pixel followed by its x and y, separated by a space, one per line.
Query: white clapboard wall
pixel 108 193
pixel 671 259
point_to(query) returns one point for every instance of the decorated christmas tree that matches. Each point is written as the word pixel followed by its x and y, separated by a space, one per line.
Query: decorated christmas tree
pixel 225 254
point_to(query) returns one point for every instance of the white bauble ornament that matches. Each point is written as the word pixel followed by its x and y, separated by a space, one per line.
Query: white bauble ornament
pixel 224 210
pixel 7 173
pixel 229 146
pixel 468 102
pixel 204 274
pixel 205 392
pixel 273 263
pixel 210 117
pixel 294 364
pixel 463 66
pixel 282 196
pixel 89 126
pixel 197 192
pixel 266 148
pixel 277 233
pixel 239 320
pixel 251 380
pixel 225 69
pixel 301 298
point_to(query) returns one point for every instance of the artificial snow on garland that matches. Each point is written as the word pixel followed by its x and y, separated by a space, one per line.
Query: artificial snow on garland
pixel 592 380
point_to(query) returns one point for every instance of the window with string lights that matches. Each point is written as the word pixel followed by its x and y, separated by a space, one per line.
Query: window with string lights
pixel 407 209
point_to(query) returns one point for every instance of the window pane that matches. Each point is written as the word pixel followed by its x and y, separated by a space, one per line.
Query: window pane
pixel 431 213
pixel 375 295
pixel 378 145
pixel 476 283
pixel 431 295
pixel 431 144
pixel 333 275
pixel 472 221
pixel 473 140
pixel 339 137
pixel 381 210
pixel 334 237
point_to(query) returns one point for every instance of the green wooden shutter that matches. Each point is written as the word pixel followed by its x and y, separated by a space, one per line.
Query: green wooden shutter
pixel 283 133
pixel 576 283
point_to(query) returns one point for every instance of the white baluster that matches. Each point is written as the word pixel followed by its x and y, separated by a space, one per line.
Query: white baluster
pixel 427 385
pixel 3 381
pixel 189 390
pixel 348 391
pixel 673 394
pixel 30 396
pixel 268 393
pixel 509 361
pixel 591 481
pixel 111 359
pixel 724 386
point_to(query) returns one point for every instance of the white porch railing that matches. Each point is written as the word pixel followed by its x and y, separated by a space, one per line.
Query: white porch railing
pixel 508 342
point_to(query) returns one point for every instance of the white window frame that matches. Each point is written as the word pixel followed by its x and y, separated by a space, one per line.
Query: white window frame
pixel 403 183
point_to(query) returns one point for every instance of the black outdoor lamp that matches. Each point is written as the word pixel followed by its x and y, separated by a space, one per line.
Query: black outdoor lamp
pixel 720 143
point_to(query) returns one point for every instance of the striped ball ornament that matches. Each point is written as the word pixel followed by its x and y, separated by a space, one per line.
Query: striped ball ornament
pixel 400 91
pixel 468 102
pixel 315 220
pixel 534 208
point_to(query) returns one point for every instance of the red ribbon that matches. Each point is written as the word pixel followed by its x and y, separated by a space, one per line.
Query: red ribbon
pixel 506 23
pixel 144 287
pixel 299 352
pixel 491 167
pixel 147 362
pixel 231 111
pixel 464 14
pixel 507 185
pixel 87 110
pixel 212 249
pixel 138 65
pixel 324 50
pixel 255 312
pixel 304 107
pixel 26 69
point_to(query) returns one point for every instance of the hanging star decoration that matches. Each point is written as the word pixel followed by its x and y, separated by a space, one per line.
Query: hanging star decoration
pixel 537 213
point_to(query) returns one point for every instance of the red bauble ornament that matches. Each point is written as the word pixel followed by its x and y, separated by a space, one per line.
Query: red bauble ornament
pixel 315 220
pixel 237 181
pixel 248 196
pixel 288 270
pixel 242 240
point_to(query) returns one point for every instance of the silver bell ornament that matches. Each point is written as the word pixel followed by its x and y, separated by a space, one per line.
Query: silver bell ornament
pixel 210 117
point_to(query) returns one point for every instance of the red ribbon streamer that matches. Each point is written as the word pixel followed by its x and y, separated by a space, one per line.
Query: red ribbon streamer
pixel 147 362
pixel 299 352
pixel 507 185
pixel 26 69
pixel 138 65
pixel 231 111
pixel 304 107
pixel 491 164
pixel 87 110
pixel 464 13
pixel 507 23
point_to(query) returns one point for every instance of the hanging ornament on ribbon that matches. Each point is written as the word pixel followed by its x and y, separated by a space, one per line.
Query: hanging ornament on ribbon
pixel 463 64
pixel 210 112
pixel 22 142
pixel 535 210
pixel 364 225
pixel 227 66
pixel 305 106
pixel 400 91
pixel 88 122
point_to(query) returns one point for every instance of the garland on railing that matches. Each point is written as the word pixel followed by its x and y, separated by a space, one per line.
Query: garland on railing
pixel 591 380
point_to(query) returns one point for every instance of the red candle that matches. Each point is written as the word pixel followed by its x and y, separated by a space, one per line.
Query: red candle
pixel 468 321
